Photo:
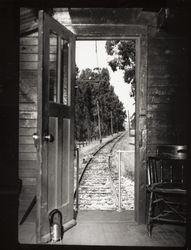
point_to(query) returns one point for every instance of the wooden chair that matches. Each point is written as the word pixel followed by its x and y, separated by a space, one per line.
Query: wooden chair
pixel 166 185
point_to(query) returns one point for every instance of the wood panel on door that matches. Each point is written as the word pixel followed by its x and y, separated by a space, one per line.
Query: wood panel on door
pixel 55 123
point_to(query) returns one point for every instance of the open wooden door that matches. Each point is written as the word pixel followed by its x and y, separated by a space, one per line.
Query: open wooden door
pixel 55 124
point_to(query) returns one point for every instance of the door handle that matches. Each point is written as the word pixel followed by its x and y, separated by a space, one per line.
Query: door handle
pixel 49 138
pixel 35 136
pixel 36 139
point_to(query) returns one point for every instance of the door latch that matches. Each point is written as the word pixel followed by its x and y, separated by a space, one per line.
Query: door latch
pixel 49 138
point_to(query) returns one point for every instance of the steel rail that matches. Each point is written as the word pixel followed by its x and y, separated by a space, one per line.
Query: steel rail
pixel 89 161
pixel 109 166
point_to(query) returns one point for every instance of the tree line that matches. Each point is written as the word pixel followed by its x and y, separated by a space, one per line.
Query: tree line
pixel 123 56
pixel 97 107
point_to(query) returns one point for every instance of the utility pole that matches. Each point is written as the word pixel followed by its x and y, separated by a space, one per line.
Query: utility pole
pixel 129 122
pixel 99 127
pixel 111 124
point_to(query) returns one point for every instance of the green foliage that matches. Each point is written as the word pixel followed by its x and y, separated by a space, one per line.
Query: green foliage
pixel 122 54
pixel 93 86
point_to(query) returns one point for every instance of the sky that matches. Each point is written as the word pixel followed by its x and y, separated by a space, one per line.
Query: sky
pixel 86 58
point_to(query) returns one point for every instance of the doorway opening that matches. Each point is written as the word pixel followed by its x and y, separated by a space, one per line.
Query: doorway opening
pixel 105 112
pixel 54 45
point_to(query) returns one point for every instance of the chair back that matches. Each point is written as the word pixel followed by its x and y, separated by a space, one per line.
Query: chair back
pixel 169 164
pixel 172 151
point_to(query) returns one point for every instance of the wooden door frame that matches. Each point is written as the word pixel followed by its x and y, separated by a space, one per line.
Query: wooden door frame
pixel 139 33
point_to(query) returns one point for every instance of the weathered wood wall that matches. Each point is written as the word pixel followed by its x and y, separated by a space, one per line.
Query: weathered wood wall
pixel 167 93
pixel 28 119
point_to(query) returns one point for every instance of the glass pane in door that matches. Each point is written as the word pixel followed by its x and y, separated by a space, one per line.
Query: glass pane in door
pixel 53 60
pixel 65 78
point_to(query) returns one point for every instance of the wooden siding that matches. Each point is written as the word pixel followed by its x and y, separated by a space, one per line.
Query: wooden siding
pixel 28 119
pixel 167 93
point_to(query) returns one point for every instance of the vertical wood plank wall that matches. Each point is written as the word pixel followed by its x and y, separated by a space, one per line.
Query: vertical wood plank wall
pixel 167 89
pixel 27 120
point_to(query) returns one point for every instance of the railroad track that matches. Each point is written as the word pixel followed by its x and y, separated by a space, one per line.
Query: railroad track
pixel 96 187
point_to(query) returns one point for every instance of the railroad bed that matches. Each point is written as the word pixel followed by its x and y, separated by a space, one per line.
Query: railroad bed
pixel 98 188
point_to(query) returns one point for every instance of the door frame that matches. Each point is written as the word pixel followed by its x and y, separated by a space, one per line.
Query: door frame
pixel 139 34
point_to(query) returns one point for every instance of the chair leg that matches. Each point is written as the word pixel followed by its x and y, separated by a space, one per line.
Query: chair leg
pixel 150 213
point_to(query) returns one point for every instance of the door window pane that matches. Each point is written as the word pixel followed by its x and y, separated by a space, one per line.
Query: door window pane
pixel 64 77
pixel 53 67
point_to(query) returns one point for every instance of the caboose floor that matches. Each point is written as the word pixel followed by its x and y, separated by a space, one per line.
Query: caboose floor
pixel 112 228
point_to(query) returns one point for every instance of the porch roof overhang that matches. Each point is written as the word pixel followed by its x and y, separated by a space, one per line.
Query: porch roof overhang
pixel 72 17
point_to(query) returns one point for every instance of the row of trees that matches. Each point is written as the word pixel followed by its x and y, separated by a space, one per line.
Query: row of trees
pixel 97 108
pixel 122 56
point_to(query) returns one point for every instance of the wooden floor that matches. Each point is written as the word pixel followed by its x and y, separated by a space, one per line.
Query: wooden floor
pixel 112 228
pixel 120 229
